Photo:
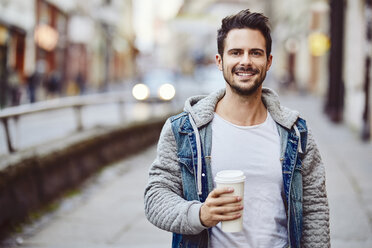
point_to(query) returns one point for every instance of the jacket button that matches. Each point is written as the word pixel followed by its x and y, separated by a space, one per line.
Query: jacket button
pixel 203 175
pixel 281 159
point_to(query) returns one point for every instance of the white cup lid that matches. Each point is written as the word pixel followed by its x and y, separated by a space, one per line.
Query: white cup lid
pixel 230 176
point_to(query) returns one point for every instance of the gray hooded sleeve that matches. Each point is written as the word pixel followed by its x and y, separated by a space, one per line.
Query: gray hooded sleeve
pixel 164 205
pixel 316 233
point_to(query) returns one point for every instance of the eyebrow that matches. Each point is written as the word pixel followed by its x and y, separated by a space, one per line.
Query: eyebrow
pixel 234 49
pixel 258 49
pixel 240 49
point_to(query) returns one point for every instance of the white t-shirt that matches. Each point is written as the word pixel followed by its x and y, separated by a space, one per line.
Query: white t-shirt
pixel 256 151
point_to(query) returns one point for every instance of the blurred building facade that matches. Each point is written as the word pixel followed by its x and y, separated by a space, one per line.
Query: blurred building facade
pixel 72 44
pixel 328 46
pixel 356 65
pixel 16 24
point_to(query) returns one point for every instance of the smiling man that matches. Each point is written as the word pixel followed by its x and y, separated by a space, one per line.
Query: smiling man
pixel 247 61
pixel 242 127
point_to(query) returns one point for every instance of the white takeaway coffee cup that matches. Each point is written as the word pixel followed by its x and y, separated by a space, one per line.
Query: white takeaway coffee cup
pixel 234 179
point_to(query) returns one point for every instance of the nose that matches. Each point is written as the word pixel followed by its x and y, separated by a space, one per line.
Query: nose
pixel 246 60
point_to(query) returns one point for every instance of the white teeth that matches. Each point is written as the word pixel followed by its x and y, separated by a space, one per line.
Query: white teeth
pixel 245 74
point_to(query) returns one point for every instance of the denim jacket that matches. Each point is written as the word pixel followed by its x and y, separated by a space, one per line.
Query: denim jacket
pixel 190 135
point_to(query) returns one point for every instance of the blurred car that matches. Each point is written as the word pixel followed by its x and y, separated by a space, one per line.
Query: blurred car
pixel 209 78
pixel 157 85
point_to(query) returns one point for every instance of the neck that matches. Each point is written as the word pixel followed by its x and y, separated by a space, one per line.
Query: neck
pixel 242 110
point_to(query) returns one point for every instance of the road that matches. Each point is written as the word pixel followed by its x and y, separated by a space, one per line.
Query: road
pixel 109 210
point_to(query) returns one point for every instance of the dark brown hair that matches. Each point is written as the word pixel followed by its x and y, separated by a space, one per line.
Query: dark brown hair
pixel 244 19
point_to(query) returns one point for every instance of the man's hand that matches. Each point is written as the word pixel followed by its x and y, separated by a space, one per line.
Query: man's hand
pixel 219 207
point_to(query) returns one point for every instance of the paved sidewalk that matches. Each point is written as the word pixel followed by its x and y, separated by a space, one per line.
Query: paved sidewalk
pixel 109 211
pixel 348 163
pixel 107 214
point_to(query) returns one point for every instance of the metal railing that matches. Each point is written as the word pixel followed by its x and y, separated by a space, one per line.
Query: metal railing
pixel 74 102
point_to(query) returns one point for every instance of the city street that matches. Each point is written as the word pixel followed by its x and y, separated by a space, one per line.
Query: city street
pixel 108 211
pixel 85 82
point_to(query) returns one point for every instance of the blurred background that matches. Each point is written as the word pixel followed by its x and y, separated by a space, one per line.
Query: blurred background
pixel 51 48
pixel 84 83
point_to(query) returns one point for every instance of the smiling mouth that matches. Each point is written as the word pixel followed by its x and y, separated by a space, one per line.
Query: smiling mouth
pixel 245 72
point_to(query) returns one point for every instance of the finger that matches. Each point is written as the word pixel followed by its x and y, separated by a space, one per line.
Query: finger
pixel 227 217
pixel 229 210
pixel 223 200
pixel 219 191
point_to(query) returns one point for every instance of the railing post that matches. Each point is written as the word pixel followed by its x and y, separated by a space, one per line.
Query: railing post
pixel 121 110
pixel 7 133
pixel 79 122
pixel 366 127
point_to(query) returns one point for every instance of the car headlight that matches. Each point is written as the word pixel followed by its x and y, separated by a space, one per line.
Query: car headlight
pixel 141 91
pixel 167 92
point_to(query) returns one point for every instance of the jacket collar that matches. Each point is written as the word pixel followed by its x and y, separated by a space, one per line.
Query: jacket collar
pixel 202 108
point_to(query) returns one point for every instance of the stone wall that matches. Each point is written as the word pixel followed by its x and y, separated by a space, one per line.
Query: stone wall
pixel 30 180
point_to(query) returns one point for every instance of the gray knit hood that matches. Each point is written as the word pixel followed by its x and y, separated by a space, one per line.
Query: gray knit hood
pixel 202 108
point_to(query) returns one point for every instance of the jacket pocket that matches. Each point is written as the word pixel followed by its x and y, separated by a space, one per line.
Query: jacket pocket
pixel 188 179
pixel 187 163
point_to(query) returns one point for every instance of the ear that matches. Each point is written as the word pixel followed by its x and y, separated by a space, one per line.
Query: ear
pixel 219 61
pixel 269 62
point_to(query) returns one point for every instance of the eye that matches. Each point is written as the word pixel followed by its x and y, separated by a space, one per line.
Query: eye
pixel 235 52
pixel 257 53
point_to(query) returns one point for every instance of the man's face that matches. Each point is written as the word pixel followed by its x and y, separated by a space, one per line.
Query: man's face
pixel 244 62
